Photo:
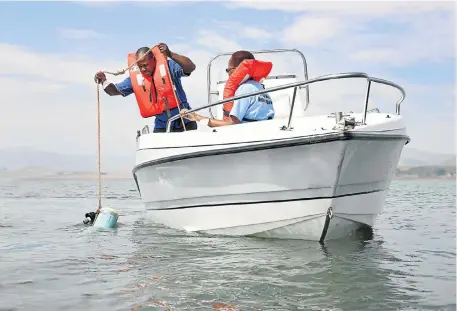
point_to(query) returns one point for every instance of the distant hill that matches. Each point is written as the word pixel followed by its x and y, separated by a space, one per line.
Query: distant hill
pixel 25 157
pixel 450 162
pixel 430 171
pixel 414 157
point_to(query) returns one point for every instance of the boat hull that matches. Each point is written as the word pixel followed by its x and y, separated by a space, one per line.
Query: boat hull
pixel 284 220
pixel 280 189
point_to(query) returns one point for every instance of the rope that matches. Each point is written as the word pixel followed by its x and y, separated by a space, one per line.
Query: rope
pixel 98 134
pixel 122 71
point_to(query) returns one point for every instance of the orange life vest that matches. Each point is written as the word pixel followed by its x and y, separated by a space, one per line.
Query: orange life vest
pixel 155 94
pixel 248 69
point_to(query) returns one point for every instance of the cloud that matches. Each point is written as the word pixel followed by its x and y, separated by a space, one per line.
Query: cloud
pixel 353 8
pixel 161 3
pixel 14 86
pixel 53 97
pixel 80 34
pixel 64 68
pixel 139 3
pixel 61 117
pixel 98 3
pixel 395 33
pixel 216 42
pixel 429 37
pixel 420 32
pixel 256 33
pixel 242 30
pixel 312 30
pixel 375 54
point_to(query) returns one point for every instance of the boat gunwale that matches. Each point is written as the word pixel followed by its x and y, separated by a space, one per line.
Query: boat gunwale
pixel 269 144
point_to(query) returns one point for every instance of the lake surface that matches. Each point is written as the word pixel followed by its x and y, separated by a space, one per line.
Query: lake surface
pixel 50 261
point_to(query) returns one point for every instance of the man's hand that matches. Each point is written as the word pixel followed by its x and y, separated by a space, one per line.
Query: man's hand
pixel 164 49
pixel 99 77
pixel 191 116
pixel 109 89
pixel 187 65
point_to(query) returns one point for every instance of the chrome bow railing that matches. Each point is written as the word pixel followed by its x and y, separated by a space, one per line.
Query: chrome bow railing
pixel 295 85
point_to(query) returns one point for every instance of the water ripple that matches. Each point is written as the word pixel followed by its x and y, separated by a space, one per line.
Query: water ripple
pixel 51 261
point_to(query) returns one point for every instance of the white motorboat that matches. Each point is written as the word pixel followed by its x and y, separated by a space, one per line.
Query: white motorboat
pixel 295 176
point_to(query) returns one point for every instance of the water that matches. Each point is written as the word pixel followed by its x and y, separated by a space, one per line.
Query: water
pixel 50 261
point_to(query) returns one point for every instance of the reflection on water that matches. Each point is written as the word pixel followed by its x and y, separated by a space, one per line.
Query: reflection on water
pixel 52 262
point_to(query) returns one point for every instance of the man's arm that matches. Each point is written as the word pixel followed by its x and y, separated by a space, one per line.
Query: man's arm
pixel 123 88
pixel 239 109
pixel 217 123
pixel 111 90
pixel 237 113
pixel 187 65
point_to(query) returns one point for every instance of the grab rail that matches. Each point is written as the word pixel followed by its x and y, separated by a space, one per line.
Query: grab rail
pixel 389 83
pixel 305 68
pixel 307 82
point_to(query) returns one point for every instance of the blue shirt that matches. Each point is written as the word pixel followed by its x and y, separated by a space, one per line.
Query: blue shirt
pixel 259 107
pixel 176 72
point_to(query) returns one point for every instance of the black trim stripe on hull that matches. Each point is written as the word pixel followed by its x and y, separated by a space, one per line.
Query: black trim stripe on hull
pixel 265 202
pixel 260 141
pixel 285 143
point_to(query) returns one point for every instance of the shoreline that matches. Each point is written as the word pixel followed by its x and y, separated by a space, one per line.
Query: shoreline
pixel 90 176
pixel 425 178
pixel 128 175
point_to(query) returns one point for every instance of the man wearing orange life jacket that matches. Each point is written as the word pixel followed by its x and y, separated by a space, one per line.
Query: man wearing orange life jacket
pixel 178 66
pixel 242 64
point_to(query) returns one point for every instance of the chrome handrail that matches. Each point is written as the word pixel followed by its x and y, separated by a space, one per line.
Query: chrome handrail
pixel 389 83
pixel 307 82
pixel 305 66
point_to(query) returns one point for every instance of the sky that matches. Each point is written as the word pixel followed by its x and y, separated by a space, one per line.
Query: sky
pixel 53 49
